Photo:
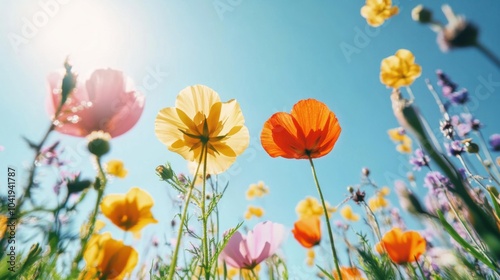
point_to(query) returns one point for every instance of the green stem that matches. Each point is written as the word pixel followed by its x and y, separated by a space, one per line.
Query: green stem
pixel 206 259
pixel 330 234
pixel 171 271
pixel 93 217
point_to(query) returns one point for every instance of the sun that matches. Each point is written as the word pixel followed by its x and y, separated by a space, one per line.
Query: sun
pixel 87 31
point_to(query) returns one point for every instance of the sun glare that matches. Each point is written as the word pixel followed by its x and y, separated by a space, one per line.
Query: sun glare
pixel 86 31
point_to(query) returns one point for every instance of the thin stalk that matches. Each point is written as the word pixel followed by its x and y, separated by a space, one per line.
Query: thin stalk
pixel 410 93
pixel 488 53
pixel 469 174
pixel 484 147
pixel 171 270
pixel 93 217
pixel 487 169
pixel 27 193
pixel 377 225
pixel 330 234
pixel 206 260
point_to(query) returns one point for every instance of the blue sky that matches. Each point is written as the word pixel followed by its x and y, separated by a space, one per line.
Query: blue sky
pixel 266 54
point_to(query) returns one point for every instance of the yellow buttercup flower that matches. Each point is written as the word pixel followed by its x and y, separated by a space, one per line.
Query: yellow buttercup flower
pixel 107 258
pixel 310 257
pixel 3 225
pixel 384 191
pixel 116 168
pixel 257 190
pixel 254 211
pixel 247 274
pixel 131 211
pixel 399 70
pixel 230 272
pixel 199 119
pixel 348 214
pixel 404 141
pixel 377 202
pixel 311 207
pixel 377 11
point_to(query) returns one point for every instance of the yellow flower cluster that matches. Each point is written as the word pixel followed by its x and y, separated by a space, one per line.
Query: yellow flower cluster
pixel 311 207
pixel 378 201
pixel 254 211
pixel 404 141
pixel 116 168
pixel 348 214
pixel 105 257
pixel 257 190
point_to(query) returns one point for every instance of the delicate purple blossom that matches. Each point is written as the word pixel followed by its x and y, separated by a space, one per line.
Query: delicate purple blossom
pixel 450 89
pixel 465 123
pixel 419 159
pixel 436 181
pixel 455 148
pixel 495 142
pixel 447 85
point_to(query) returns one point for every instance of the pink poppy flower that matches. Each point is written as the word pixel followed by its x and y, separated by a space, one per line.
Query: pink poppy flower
pixel 106 101
pixel 260 243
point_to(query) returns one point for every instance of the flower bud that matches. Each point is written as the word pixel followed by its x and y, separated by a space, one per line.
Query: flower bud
pixel 471 148
pixel 77 186
pixel 98 143
pixel 165 172
pixel 350 189
pixel 69 81
pixel 421 14
pixel 365 171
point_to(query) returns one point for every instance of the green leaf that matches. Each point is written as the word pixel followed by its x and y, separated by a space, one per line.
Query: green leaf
pixel 464 243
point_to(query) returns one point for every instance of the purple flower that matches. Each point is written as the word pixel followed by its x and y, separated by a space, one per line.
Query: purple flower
pixel 450 91
pixel 436 181
pixel 419 159
pixel 465 123
pixel 455 148
pixel 447 86
pixel 459 97
pixel 495 142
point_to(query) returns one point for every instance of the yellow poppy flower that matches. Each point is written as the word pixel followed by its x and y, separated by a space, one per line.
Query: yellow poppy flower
pixel 257 190
pixel 311 207
pixel 107 258
pixel 377 11
pixel 115 167
pixel 230 272
pixel 199 119
pixel 348 214
pixel 247 274
pixel 131 211
pixel 399 70
pixel 254 211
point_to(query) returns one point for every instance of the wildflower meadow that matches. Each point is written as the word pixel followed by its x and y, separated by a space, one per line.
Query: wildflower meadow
pixel 237 139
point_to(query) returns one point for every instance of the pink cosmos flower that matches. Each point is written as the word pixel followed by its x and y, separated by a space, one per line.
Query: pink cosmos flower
pixel 106 101
pixel 260 243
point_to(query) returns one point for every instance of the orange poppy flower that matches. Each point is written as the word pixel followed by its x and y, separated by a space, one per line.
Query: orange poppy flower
pixel 307 231
pixel 309 131
pixel 402 247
